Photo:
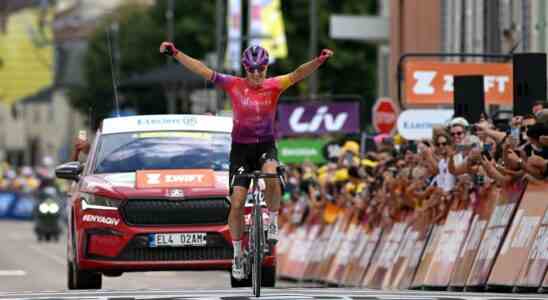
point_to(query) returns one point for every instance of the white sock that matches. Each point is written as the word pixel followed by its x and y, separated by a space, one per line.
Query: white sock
pixel 273 217
pixel 237 248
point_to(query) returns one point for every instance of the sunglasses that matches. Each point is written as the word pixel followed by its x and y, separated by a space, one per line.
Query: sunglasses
pixel 457 133
pixel 259 68
pixel 441 144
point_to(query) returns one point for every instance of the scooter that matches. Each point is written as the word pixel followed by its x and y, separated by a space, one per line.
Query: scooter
pixel 47 225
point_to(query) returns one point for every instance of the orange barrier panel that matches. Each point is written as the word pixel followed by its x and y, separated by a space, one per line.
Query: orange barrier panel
pixel 334 244
pixel 297 254
pixel 282 249
pixel 417 251
pixel 387 254
pixel 391 270
pixel 497 227
pixel 329 250
pixel 396 271
pixel 348 277
pixel 519 239
pixel 544 287
pixel 343 255
pixel 469 250
pixel 318 249
pixel 537 259
pixel 361 263
pixel 314 245
pixel 426 258
pixel 452 238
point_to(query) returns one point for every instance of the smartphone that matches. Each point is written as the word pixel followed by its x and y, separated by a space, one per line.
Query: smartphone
pixel 487 147
pixel 349 158
pixel 413 147
pixel 83 135
pixel 486 154
pixel 459 148
pixel 515 132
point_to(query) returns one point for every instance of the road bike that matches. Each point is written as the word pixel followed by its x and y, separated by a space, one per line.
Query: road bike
pixel 257 246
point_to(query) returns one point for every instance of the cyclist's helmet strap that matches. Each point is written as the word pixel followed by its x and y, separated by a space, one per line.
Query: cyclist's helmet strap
pixel 255 56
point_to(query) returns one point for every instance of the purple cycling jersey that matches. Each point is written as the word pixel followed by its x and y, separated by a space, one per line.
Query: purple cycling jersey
pixel 254 108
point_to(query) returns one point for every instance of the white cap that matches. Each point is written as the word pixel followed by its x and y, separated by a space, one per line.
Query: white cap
pixel 26 171
pixel 459 121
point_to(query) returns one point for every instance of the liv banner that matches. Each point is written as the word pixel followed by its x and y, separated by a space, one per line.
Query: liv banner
pixel 300 150
pixel 318 118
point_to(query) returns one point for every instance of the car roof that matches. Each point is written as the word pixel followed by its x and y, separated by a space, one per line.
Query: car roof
pixel 166 123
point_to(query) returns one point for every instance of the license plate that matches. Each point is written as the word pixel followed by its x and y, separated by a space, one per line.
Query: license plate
pixel 177 239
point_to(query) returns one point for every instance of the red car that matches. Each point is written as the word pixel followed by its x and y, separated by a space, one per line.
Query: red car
pixel 152 196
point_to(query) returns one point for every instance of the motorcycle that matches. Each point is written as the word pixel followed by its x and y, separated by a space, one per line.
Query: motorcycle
pixel 47 225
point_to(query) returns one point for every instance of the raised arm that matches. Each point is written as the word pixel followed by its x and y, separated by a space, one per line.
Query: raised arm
pixel 309 67
pixel 194 65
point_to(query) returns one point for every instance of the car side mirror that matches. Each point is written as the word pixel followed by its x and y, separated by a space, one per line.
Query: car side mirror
pixel 70 170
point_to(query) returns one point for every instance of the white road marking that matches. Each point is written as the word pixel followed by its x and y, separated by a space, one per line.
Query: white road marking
pixel 49 255
pixel 12 273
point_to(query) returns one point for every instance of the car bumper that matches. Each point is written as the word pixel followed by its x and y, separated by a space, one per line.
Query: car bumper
pixel 125 248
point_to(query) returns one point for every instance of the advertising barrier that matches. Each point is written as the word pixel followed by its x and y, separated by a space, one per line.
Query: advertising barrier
pixel 494 237
pixel 517 245
pixel 452 237
pixel 497 227
pixel 7 201
pixel 431 82
pixel 487 200
pixel 16 205
pixel 318 118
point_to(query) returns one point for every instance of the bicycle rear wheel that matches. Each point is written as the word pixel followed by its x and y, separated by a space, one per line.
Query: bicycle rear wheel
pixel 258 250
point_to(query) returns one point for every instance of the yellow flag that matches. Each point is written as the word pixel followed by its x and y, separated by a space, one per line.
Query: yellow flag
pixel 267 27
pixel 26 54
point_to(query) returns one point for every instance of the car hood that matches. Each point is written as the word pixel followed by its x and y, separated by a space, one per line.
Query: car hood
pixel 123 186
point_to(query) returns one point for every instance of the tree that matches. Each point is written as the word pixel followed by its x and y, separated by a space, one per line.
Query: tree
pixel 141 30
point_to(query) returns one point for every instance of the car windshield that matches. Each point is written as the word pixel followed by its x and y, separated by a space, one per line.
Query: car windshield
pixel 129 152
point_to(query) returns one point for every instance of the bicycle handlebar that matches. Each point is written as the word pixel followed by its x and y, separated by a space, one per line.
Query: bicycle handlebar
pixel 280 170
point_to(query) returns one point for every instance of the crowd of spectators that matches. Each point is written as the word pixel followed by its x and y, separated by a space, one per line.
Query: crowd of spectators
pixel 27 179
pixel 421 180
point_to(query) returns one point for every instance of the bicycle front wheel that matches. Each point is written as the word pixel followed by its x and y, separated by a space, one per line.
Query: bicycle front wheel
pixel 258 240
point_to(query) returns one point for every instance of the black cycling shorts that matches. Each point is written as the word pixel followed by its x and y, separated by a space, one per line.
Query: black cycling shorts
pixel 246 158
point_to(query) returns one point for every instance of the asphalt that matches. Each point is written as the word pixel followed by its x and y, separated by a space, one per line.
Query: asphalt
pixel 37 270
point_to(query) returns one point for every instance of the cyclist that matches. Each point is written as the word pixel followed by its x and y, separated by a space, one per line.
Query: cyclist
pixel 254 100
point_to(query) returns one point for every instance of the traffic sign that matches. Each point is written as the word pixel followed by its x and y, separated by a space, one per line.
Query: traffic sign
pixel 385 115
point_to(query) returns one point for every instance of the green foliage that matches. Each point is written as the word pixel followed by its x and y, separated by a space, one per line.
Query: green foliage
pixel 141 30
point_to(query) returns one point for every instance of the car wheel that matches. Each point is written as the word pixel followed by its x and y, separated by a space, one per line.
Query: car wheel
pixel 48 237
pixel 83 280
pixel 235 283
pixel 268 278
pixel 70 276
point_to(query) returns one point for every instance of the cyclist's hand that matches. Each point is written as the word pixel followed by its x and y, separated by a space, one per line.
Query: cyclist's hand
pixel 168 48
pixel 325 54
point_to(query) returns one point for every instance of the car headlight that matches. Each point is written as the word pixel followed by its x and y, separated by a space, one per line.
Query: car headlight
pixel 48 207
pixel 90 201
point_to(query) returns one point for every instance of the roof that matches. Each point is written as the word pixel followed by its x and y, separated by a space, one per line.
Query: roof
pixel 42 96
pixel 166 123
